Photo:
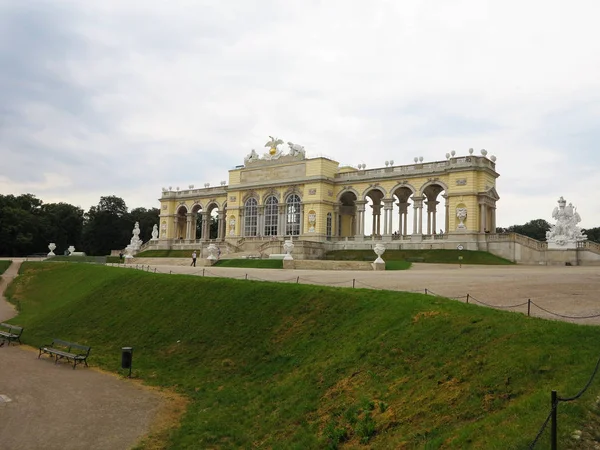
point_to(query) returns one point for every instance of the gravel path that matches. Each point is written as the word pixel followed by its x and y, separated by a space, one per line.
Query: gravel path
pixel 46 406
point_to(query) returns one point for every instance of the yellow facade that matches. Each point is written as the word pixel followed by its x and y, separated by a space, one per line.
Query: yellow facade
pixel 315 199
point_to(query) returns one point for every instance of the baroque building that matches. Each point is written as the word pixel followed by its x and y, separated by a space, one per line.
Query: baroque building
pixel 284 193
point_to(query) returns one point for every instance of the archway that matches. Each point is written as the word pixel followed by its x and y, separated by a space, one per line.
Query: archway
pixel 346 225
pixel 196 221
pixel 402 211
pixel 212 216
pixel 373 222
pixel 435 208
pixel 181 223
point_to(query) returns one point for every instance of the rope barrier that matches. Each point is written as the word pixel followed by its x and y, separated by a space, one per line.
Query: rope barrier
pixel 563 316
pixel 585 388
pixel 543 427
pixel 499 306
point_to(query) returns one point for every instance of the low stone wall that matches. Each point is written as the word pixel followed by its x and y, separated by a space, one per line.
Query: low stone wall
pixel 307 264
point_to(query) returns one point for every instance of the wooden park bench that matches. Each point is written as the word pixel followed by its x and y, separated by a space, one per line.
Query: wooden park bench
pixel 10 332
pixel 69 350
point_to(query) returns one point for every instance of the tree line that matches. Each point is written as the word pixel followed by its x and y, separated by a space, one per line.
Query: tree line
pixel 28 225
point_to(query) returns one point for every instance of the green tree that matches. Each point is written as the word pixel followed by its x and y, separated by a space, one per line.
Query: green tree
pixel 20 225
pixel 105 226
pixel 593 234
pixel 62 224
pixel 535 229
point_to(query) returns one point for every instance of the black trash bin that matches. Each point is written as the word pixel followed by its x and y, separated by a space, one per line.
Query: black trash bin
pixel 126 358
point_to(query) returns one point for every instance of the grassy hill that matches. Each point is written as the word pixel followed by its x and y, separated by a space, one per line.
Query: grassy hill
pixel 427 256
pixel 291 366
pixel 4 264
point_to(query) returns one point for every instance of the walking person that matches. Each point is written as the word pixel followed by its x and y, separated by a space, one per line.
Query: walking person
pixel 193 259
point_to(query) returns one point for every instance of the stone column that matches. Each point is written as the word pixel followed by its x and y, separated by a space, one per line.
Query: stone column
pixel 388 206
pixel 447 224
pixel 482 213
pixel 188 227
pixel 176 227
pixel 360 214
pixel 205 226
pixel 415 214
pixel 376 222
pixel 241 223
pixel 220 218
pixel 334 220
pixel 493 220
pixel 281 219
pixel 260 221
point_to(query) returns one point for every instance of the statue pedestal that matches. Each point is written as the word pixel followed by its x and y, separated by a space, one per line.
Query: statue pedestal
pixel 378 265
pixel 564 246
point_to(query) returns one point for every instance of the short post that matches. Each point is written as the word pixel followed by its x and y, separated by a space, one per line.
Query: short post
pixel 246 276
pixel 353 282
pixel 528 307
pixel 297 280
pixel 155 270
pixel 136 267
pixel 203 272
pixel 460 262
pixel 425 291
pixel 553 426
pixel 467 298
pixel 126 359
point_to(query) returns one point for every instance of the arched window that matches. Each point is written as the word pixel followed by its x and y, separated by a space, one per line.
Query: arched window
pixel 250 217
pixel 271 211
pixel 292 215
pixel 328 231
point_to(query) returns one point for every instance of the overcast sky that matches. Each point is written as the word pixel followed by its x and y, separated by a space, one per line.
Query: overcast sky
pixel 123 97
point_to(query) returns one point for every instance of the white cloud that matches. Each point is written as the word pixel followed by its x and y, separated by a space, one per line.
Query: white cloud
pixel 126 97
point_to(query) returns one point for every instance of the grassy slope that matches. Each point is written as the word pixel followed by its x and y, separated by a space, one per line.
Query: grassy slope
pixel 4 264
pixel 296 366
pixel 428 256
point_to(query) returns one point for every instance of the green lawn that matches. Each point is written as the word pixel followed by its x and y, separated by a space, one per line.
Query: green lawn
pixel 165 254
pixel 293 366
pixel 4 264
pixel 85 259
pixel 251 263
pixel 428 256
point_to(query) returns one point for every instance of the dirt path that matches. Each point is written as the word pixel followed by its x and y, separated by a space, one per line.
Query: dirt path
pixel 44 406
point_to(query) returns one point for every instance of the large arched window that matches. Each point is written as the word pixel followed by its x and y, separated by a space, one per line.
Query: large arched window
pixel 250 217
pixel 271 211
pixel 292 215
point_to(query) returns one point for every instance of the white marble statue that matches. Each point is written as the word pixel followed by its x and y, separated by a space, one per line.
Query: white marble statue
pixel 136 242
pixel 565 233
pixel 461 215
pixel 296 150
pixel 129 251
pixel 155 232
pixel 379 250
pixel 251 157
pixel 213 252
pixel 51 247
pixel 288 247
